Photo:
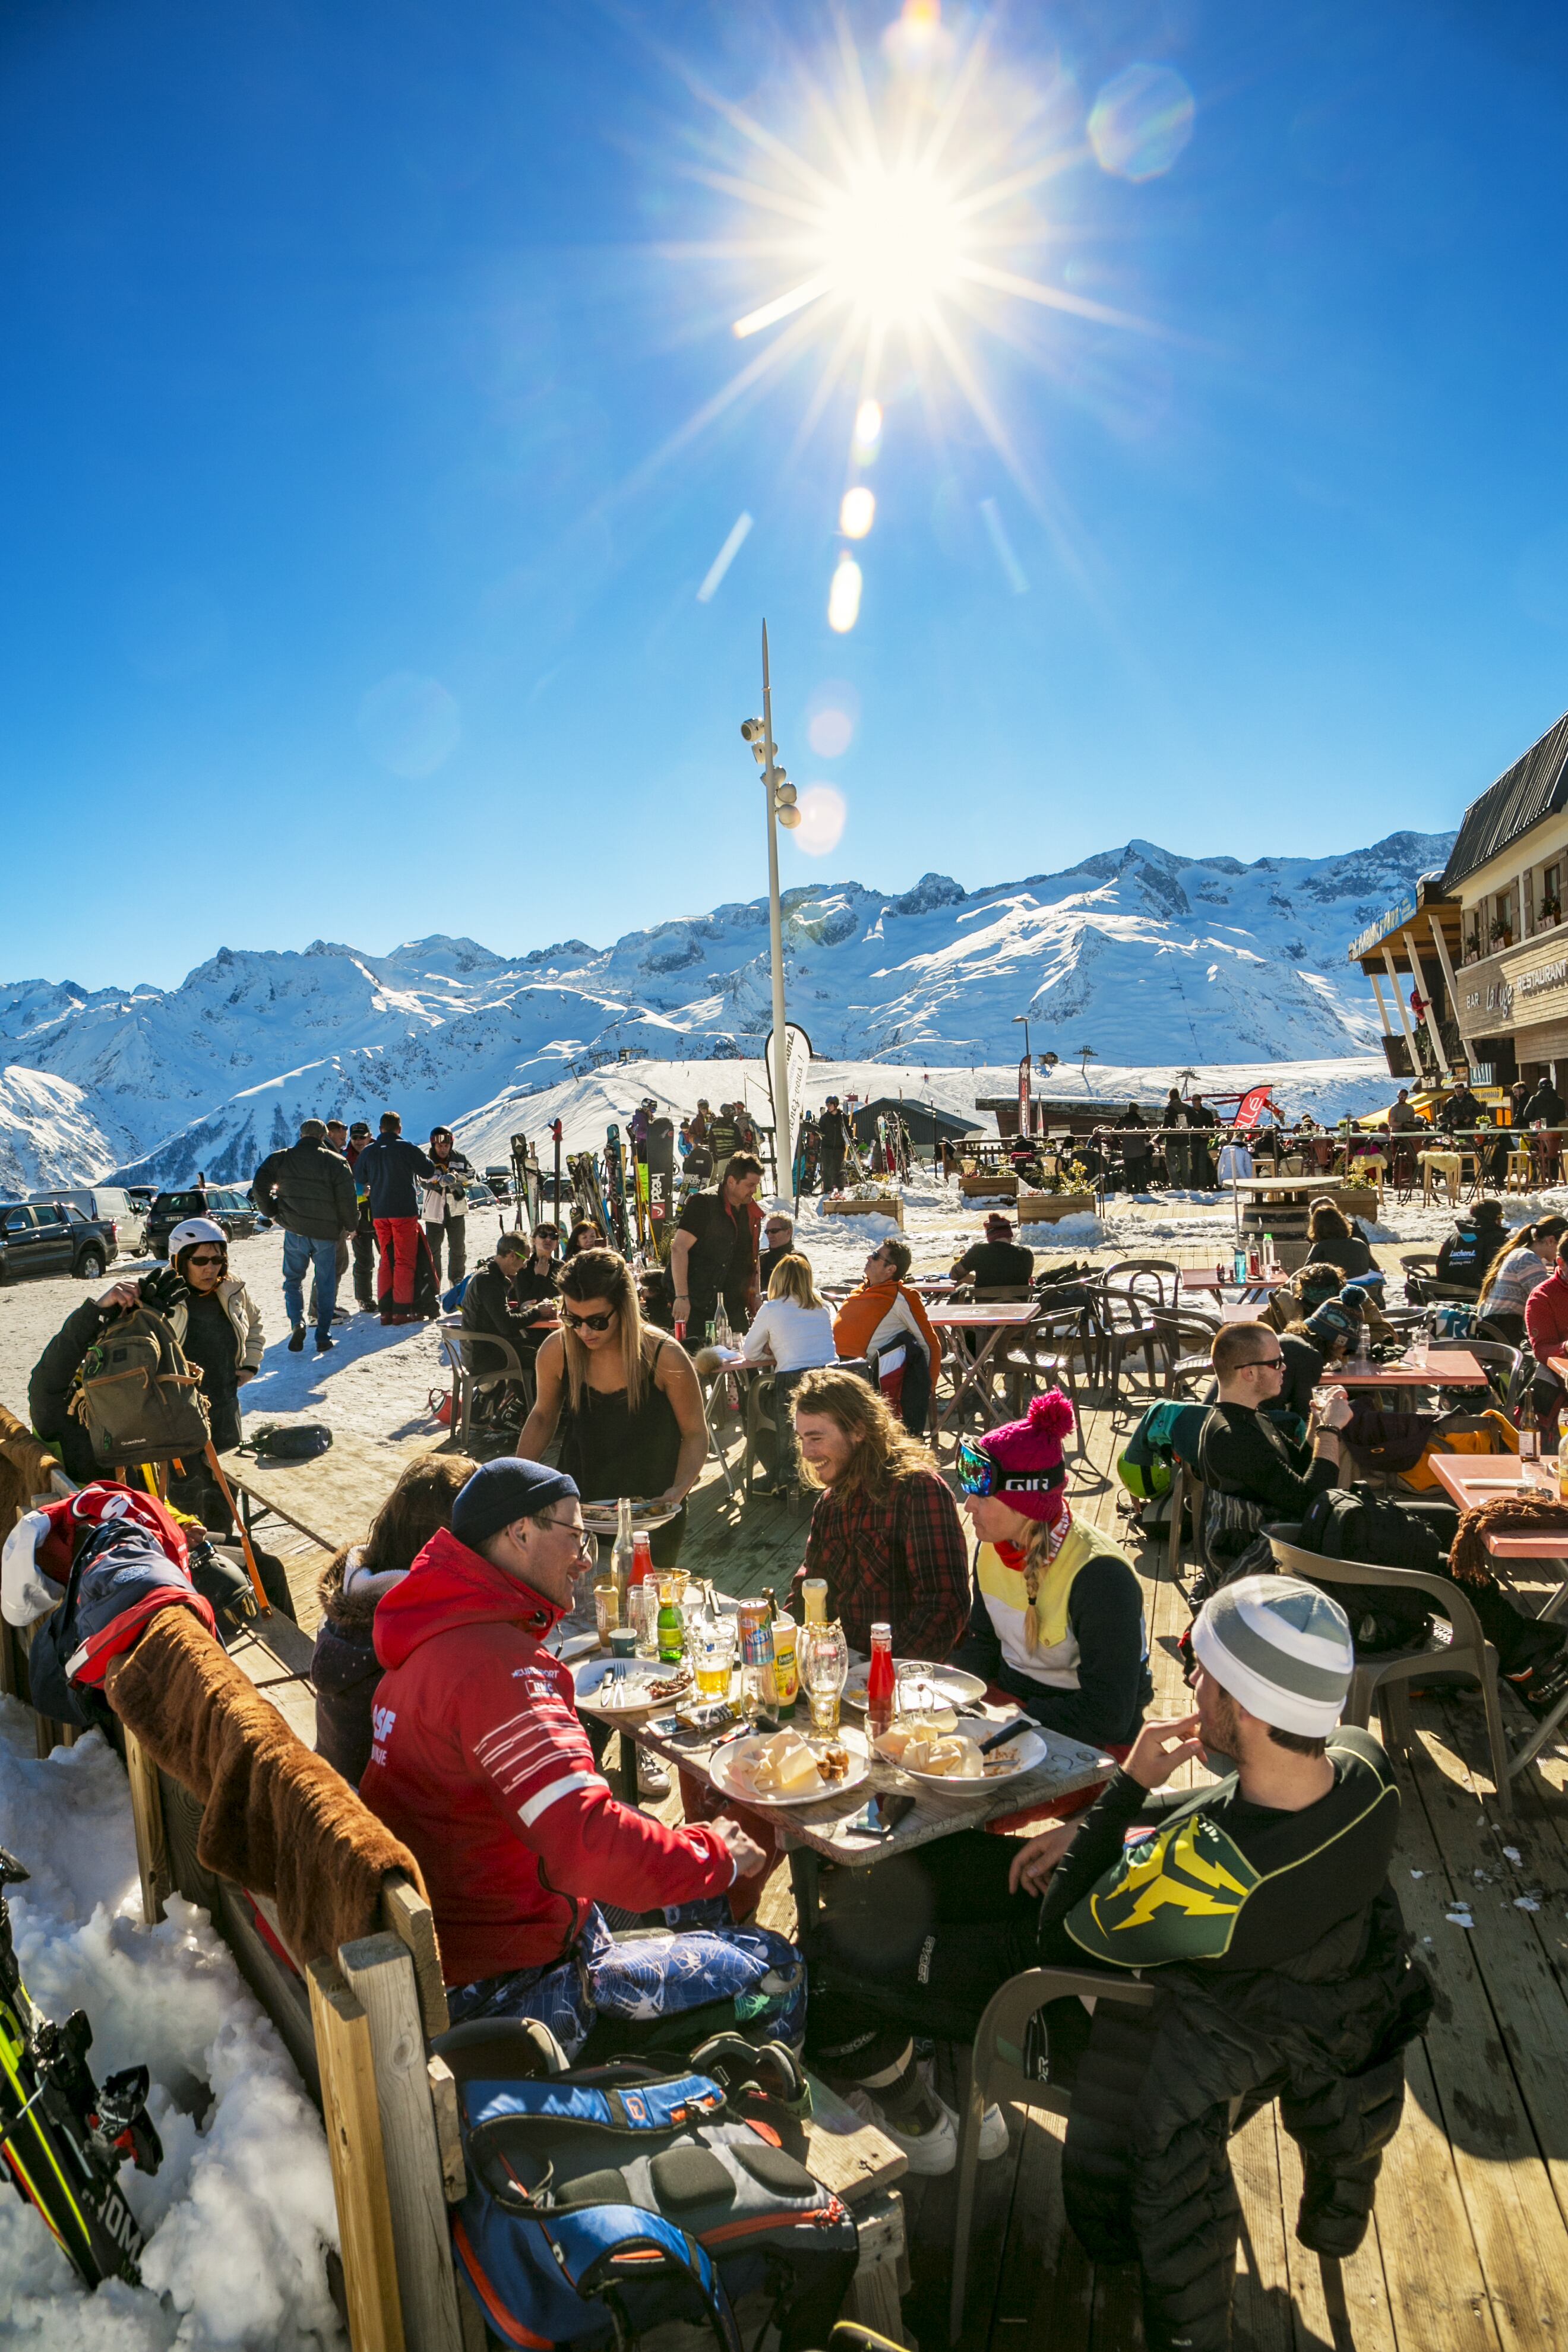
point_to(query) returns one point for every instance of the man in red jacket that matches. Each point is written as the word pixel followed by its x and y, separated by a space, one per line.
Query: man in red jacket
pixel 480 1763
pixel 1546 1321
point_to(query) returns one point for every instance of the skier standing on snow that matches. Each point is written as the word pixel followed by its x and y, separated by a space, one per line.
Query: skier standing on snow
pixel 389 1167
pixel 445 1204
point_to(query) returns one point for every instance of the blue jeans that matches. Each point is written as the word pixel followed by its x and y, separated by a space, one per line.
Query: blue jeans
pixel 299 1253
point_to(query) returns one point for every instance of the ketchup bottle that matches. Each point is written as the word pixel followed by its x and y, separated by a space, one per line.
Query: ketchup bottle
pixel 879 1683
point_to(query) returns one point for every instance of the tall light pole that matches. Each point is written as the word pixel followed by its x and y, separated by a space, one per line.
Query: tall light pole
pixel 780 796
pixel 1025 1019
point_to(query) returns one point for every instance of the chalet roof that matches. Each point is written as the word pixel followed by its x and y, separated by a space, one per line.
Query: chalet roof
pixel 1535 786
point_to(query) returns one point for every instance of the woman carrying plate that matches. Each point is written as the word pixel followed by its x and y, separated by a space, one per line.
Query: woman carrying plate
pixel 1056 1619
pixel 624 1398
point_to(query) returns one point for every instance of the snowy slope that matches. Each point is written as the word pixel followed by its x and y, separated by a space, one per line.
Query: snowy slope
pixel 1148 957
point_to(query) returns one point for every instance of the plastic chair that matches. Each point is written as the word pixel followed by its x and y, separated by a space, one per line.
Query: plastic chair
pixel 472 1376
pixel 1132 1294
pixel 997 2072
pixel 1387 1678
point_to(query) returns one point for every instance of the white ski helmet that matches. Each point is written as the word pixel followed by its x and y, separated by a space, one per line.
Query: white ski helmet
pixel 193 1230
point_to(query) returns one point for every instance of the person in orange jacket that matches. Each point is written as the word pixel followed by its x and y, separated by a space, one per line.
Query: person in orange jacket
pixel 873 1315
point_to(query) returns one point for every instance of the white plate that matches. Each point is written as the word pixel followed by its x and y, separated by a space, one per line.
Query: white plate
pixel 1028 1751
pixel 639 1674
pixel 721 1768
pixel 601 1518
pixel 952 1686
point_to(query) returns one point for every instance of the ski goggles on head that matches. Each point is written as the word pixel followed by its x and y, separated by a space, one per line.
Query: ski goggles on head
pixel 979 1473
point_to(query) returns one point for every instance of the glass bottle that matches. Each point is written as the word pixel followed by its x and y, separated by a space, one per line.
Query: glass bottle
pixel 621 1557
pixel 786 1669
pixel 759 1694
pixel 671 1624
pixel 1529 1430
pixel 879 1683
pixel 813 1593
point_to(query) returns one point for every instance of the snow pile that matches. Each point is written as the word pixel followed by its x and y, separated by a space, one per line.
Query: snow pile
pixel 1151 958
pixel 240 2214
pixel 1081 1232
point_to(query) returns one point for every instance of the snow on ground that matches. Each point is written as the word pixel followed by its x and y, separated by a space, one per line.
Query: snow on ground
pixel 1346 1088
pixel 240 2214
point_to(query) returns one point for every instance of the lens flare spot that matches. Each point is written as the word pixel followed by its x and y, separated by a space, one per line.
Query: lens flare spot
pixel 856 511
pixel 867 427
pixel 822 815
pixel 1140 122
pixel 410 725
pixel 832 716
pixel 844 596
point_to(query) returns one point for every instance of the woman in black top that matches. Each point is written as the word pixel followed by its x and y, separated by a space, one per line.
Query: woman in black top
pixel 624 1398
pixel 1335 1243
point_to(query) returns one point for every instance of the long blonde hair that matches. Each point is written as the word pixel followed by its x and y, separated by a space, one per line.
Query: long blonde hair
pixel 882 1449
pixel 791 1279
pixel 602 1277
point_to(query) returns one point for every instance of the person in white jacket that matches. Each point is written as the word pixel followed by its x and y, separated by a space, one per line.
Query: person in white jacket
pixel 793 1329
pixel 445 1204
pixel 792 1324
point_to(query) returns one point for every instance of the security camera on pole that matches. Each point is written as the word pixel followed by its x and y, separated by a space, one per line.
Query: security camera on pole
pixel 782 810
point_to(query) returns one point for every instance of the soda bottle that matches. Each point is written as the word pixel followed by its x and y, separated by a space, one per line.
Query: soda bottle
pixel 879 1683
pixel 759 1692
pixel 606 1609
pixel 786 1672
pixel 671 1626
pixel 813 1593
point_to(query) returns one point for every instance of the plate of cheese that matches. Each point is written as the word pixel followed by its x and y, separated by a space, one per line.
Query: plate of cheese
pixel 929 1751
pixel 782 1767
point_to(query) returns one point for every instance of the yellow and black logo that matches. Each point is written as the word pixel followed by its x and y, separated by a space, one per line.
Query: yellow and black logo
pixel 1173 1897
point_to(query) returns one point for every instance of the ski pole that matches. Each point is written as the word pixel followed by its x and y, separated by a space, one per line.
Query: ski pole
pixel 215 1466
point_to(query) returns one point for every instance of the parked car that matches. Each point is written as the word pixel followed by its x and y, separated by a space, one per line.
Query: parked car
pixel 141 1196
pixel 53 1237
pixel 112 1205
pixel 228 1205
pixel 479 1196
pixel 499 1178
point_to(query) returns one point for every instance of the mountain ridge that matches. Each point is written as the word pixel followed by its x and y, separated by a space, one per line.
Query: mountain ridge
pixel 1165 957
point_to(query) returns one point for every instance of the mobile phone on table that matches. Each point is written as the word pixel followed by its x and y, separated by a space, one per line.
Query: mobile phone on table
pixel 883 1813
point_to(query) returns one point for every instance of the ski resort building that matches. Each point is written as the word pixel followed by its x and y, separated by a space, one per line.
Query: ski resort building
pixel 1470 970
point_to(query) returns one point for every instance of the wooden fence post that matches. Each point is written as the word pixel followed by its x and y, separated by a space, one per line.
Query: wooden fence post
pixel 352 2114
pixel 147 1817
pixel 379 1971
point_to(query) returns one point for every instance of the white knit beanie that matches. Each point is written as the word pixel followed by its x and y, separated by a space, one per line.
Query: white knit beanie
pixel 1281 1648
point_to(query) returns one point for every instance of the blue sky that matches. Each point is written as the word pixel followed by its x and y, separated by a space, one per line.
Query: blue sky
pixel 345 591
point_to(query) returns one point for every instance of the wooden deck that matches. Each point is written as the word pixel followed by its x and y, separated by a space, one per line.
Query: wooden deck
pixel 1468 2250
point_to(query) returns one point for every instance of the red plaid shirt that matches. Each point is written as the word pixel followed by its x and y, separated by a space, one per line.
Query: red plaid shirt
pixel 904 1563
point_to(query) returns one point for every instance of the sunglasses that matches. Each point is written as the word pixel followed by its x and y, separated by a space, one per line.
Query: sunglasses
pixel 1262 1363
pixel 588 1322
pixel 209 1257
pixel 979 1473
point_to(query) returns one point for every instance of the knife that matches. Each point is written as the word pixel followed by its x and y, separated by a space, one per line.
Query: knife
pixel 1008 1731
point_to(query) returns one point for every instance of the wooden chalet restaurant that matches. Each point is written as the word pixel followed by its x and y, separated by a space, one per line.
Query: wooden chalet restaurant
pixel 1471 971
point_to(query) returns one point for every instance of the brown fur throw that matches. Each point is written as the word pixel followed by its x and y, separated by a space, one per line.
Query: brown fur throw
pixel 1470 1562
pixel 275 1818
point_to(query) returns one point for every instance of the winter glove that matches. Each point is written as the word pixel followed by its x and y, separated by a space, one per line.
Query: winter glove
pixel 163 1290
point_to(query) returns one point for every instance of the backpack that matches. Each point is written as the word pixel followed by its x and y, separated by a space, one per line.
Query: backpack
pixel 1391 1441
pixel 301 1441
pixel 603 2200
pixel 1345 1523
pixel 137 1397
pixel 1164 1433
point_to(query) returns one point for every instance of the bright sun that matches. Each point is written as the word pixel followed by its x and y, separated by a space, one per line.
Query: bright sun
pixel 890 244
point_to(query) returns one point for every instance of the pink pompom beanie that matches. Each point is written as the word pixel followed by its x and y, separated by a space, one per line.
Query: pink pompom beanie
pixel 1031 1450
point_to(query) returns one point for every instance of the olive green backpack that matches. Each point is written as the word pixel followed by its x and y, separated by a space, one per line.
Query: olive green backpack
pixel 137 1396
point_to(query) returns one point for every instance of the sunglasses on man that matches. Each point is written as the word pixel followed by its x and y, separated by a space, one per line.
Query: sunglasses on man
pixel 588 1322
pixel 979 1474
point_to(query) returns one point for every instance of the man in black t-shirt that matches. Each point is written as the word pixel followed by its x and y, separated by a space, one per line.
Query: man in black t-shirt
pixel 998 1263
pixel 714 1254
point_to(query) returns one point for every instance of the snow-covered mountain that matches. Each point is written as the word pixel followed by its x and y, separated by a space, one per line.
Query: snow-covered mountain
pixel 1146 956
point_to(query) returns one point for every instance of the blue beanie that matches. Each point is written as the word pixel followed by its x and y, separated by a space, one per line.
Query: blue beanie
pixel 505 1490
pixel 1337 1318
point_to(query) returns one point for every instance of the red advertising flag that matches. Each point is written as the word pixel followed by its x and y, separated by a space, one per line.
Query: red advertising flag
pixel 1252 1106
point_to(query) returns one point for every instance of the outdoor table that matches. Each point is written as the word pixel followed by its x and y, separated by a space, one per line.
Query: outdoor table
pixel 1257 1287
pixel 969 1368
pixel 333 1497
pixel 1446 1368
pixel 1471 1479
pixel 812 1835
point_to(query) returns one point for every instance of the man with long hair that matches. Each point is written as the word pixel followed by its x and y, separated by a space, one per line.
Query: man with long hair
pixel 885 1532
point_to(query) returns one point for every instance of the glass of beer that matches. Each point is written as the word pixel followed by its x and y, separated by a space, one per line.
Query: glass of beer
pixel 713 1655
